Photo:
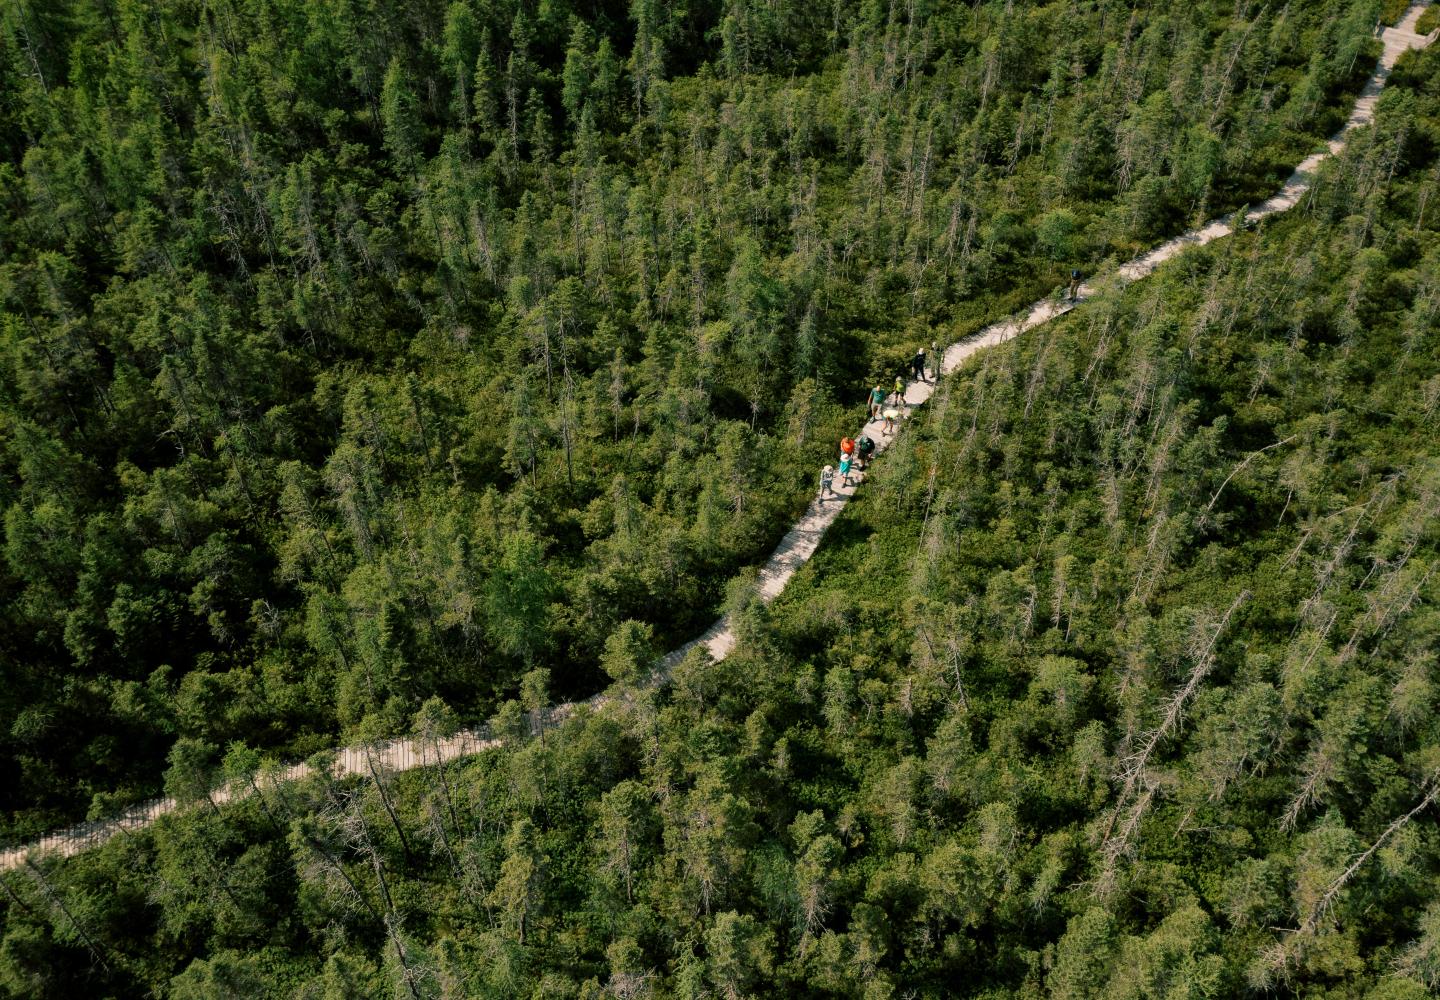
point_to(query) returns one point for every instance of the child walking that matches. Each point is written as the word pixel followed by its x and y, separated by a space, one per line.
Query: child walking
pixel 827 483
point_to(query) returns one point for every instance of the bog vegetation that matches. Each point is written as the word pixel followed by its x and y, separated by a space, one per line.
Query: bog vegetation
pixel 1119 680
pixel 370 367
pixel 359 353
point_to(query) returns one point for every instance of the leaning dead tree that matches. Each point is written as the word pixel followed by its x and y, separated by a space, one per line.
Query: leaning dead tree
pixel 1138 786
pixel 55 901
pixel 1238 469
pixel 1277 959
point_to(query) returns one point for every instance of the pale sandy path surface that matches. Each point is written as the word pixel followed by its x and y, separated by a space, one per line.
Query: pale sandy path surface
pixel 800 543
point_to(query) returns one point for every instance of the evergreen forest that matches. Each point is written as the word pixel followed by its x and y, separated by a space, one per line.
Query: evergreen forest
pixel 373 368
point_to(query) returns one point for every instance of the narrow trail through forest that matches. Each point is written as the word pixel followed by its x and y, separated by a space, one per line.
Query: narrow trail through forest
pixel 800 543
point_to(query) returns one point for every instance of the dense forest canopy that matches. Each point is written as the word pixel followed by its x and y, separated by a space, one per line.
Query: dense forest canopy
pixel 1118 680
pixel 355 353
pixel 371 367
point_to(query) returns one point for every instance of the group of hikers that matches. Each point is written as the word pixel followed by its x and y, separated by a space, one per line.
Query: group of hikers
pixel 884 406
pixel 887 407
pixel 855 454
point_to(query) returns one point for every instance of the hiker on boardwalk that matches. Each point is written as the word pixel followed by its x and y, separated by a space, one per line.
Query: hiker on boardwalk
pixel 1075 286
pixel 899 390
pixel 917 365
pixel 827 483
pixel 936 360
pixel 877 400
pixel 864 448
pixel 847 446
pixel 845 462
pixel 890 414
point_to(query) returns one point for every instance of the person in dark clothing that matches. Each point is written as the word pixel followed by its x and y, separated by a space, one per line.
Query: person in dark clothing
pixel 1075 286
pixel 864 448
pixel 917 365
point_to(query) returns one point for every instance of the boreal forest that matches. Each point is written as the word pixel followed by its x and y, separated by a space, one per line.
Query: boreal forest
pixel 377 368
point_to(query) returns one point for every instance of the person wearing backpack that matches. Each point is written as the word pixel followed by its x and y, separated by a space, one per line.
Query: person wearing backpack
pixel 864 448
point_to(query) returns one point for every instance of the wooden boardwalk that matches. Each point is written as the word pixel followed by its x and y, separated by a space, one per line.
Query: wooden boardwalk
pixel 800 543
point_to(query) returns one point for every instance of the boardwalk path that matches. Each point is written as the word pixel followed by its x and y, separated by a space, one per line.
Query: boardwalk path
pixel 796 548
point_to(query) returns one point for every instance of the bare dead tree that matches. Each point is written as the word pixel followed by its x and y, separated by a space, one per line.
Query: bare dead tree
pixel 56 901
pixel 1138 786
pixel 380 777
pixel 1238 469
pixel 357 831
pixel 1278 956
